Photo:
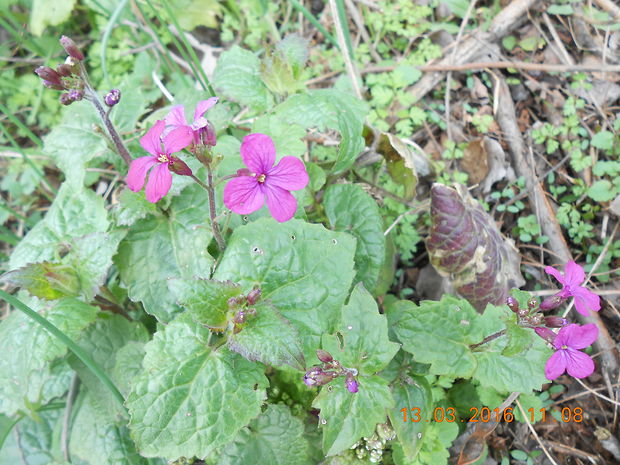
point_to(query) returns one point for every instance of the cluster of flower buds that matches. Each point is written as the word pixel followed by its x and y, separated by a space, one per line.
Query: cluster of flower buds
pixel 242 311
pixel 530 318
pixel 373 447
pixel 320 375
pixel 67 76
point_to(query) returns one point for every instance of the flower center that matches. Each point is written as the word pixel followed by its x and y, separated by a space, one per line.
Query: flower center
pixel 564 347
pixel 261 178
pixel 163 158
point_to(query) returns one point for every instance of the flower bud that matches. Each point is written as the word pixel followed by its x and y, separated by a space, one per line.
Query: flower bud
pixel 207 135
pixel 546 334
pixel 555 321
pixel 233 302
pixel 324 356
pixel 76 94
pixel 315 376
pixel 512 303
pixel 51 85
pixel 253 296
pixel 351 383
pixel 65 99
pixel 112 98
pixel 239 317
pixel 551 302
pixel 64 70
pixel 251 311
pixel 71 48
pixel 522 312
pixel 532 303
pixel 179 167
pixel 48 74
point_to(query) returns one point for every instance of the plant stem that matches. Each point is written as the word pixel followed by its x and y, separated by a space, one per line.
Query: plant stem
pixel 72 346
pixel 116 138
pixel 211 194
pixel 94 98
pixel 488 339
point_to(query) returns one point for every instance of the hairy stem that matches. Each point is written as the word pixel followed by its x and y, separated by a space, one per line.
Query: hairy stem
pixel 211 194
pixel 488 339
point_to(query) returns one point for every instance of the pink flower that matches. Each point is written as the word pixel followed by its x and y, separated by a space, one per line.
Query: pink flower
pixel 200 128
pixel 571 280
pixel 161 159
pixel 265 182
pixel 567 356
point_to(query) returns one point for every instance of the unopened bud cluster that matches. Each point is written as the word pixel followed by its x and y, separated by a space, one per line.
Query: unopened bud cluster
pixel 67 76
pixel 320 375
pixel 531 318
pixel 374 446
pixel 240 305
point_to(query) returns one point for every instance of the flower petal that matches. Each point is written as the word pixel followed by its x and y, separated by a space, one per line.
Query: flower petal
pixel 176 116
pixel 586 300
pixel 555 273
pixel 159 183
pixel 258 152
pixel 178 139
pixel 564 335
pixel 281 203
pixel 579 364
pixel 556 365
pixel 580 337
pixel 137 172
pixel 151 141
pixel 290 174
pixel 243 195
pixel 573 274
pixel 203 106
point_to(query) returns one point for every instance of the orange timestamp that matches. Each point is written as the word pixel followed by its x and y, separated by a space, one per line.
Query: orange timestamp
pixel 485 415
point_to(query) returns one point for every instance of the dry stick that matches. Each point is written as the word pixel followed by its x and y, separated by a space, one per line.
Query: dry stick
pixel 535 434
pixel 505 21
pixel 507 120
pixel 464 22
pixel 348 62
pixel 516 65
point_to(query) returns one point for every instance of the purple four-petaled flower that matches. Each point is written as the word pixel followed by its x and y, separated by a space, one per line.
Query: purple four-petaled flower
pixel 568 357
pixel 571 281
pixel 200 129
pixel 160 178
pixel 264 182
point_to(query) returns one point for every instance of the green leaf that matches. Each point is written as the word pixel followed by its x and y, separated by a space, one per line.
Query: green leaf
pixel 505 374
pixel 362 340
pixel 190 400
pixel 329 108
pixel 44 13
pixel 560 10
pixel 269 338
pixel 286 137
pixel 438 333
pixel 166 246
pixel 193 13
pixel 350 209
pixel 411 393
pixel 73 143
pixel 205 300
pixel 131 207
pixel 400 164
pixel 26 374
pixel 75 212
pixel 127 365
pixel 38 438
pixel 602 191
pixel 237 77
pixel 518 340
pixel 346 417
pixel 102 340
pixel 304 269
pixel 98 441
pixel 45 280
pixel 276 437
